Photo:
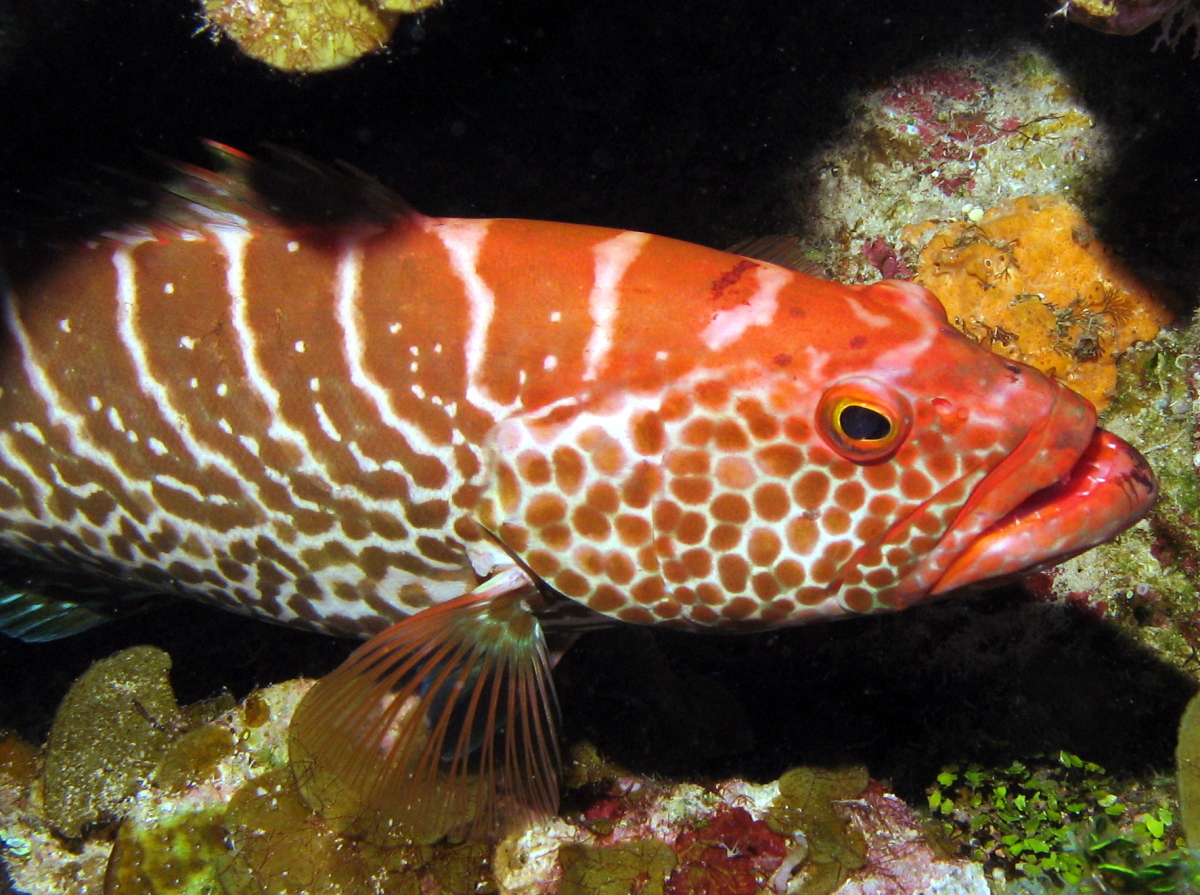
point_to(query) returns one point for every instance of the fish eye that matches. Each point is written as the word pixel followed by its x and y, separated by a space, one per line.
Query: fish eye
pixel 863 420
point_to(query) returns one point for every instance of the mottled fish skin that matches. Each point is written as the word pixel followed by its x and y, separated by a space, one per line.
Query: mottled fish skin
pixel 341 427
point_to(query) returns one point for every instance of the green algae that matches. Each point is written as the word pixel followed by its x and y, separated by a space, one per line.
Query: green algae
pixel 460 867
pixel 807 802
pixel 641 865
pixel 1187 771
pixel 107 737
pixel 587 768
pixel 1063 823
pixel 277 846
pixel 193 758
pixel 176 856
pixel 206 710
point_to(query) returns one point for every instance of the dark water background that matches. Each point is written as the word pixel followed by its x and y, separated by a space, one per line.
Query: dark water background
pixel 682 118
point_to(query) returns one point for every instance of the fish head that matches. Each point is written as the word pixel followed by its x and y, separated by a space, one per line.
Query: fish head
pixel 996 469
pixel 856 455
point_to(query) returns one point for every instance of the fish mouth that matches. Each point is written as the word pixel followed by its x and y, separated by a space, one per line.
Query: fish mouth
pixel 1108 488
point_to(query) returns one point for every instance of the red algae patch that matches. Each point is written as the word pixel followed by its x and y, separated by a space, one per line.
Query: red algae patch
pixel 1030 280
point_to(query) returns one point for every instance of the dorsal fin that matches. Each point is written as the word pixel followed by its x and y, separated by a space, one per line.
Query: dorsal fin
pixel 289 188
pixel 786 251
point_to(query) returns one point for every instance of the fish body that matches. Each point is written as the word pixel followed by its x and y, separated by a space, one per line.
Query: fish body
pixel 475 421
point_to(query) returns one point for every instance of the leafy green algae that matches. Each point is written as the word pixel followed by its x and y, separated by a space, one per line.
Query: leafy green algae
pixel 807 802
pixel 1058 821
pixel 107 737
pixel 641 866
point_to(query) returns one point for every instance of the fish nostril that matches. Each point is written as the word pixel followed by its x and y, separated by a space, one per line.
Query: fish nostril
pixel 942 405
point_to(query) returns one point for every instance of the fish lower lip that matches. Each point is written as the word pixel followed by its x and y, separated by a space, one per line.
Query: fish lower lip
pixel 1109 488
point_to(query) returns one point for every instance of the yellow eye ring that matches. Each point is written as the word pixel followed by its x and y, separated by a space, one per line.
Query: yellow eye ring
pixel 863 420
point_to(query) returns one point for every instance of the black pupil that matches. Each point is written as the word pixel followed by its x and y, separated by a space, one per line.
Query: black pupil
pixel 864 424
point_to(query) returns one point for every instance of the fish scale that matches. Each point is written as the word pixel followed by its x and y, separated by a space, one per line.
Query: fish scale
pixel 458 427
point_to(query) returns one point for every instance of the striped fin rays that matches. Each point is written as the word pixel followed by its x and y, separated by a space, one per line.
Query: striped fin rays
pixel 444 723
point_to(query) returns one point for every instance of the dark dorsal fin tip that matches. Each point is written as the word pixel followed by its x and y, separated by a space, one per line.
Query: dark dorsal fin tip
pixel 173 197
pixel 288 187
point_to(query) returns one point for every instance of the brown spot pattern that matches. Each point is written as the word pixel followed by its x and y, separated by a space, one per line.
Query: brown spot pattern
pixel 253 466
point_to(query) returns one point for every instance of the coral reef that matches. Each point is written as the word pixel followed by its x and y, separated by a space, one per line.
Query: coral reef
pixel 1030 280
pixel 1144 582
pixel 812 832
pixel 962 144
pixel 944 141
pixel 308 35
pixel 218 811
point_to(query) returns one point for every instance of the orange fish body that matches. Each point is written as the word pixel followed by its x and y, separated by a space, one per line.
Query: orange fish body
pixel 345 426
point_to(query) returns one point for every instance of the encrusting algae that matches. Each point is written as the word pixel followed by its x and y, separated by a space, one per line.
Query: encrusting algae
pixel 107 737
pixel 307 36
pixel 1030 280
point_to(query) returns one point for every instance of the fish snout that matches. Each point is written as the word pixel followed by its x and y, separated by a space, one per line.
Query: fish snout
pixel 1109 488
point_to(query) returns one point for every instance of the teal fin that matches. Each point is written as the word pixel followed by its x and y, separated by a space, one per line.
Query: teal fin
pixel 445 723
pixel 36 617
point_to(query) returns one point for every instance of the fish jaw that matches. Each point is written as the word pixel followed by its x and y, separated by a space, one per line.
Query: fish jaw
pixel 1108 488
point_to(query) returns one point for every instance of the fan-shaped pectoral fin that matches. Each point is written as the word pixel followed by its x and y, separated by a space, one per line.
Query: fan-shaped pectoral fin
pixel 445 722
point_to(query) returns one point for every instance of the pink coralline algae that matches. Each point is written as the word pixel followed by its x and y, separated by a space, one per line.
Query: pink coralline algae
pixel 944 141
pixel 941 107
pixel 885 259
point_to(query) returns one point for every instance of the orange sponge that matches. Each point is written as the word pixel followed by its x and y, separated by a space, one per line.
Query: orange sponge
pixel 1030 280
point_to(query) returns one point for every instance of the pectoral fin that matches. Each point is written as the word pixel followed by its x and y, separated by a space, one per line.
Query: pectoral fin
pixel 445 722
